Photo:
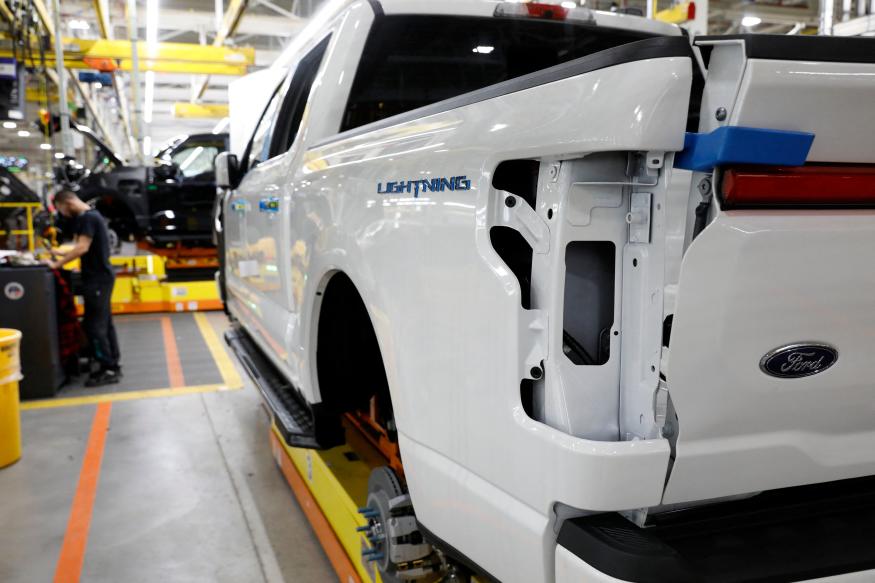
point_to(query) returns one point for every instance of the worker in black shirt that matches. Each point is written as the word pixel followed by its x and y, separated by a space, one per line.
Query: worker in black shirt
pixel 91 244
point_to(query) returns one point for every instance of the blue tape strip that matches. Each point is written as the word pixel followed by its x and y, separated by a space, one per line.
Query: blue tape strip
pixel 740 145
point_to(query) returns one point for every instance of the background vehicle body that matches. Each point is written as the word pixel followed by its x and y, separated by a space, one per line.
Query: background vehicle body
pixel 500 351
pixel 168 203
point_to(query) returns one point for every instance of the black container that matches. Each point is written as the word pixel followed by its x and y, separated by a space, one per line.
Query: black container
pixel 27 303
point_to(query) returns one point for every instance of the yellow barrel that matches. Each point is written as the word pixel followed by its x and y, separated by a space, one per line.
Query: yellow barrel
pixel 10 374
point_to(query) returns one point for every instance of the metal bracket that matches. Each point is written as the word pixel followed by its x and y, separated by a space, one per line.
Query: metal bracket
pixel 639 216
pixel 660 405
pixel 517 214
pixel 654 160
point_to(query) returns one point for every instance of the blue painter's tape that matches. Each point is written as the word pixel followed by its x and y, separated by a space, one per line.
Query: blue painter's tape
pixel 740 145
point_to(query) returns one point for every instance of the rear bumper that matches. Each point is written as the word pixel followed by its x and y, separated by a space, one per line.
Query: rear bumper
pixel 797 534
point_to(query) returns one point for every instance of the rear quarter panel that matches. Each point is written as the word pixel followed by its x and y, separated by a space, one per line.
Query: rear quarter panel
pixel 447 310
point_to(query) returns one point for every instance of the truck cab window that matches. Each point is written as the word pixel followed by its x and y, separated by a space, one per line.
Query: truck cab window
pixel 196 160
pixel 258 149
pixel 295 102
pixel 414 61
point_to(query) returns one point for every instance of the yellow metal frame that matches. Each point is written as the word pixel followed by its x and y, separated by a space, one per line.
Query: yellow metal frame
pixel 185 109
pixel 165 57
pixel 5 12
pixel 337 481
pixel 141 286
pixel 331 485
pixel 29 231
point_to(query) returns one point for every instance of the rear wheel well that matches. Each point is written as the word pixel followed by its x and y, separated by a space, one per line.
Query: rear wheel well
pixel 349 363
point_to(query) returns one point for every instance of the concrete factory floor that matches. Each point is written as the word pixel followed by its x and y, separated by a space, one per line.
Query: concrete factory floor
pixel 161 481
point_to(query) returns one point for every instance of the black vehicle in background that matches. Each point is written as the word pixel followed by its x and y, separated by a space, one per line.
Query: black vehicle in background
pixel 167 204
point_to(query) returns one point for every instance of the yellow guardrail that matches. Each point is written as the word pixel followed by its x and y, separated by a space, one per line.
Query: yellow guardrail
pixel 29 231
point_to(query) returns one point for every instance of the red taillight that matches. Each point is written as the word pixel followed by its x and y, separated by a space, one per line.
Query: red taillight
pixel 547 11
pixel 532 10
pixel 753 186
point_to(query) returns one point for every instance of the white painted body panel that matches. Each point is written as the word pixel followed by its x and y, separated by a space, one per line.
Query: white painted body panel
pixel 828 99
pixel 753 274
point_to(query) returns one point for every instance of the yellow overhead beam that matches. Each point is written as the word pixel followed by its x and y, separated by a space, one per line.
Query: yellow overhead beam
pixel 182 52
pixel 157 66
pixel 43 15
pixel 163 58
pixel 101 10
pixel 231 20
pixel 200 110
pixel 5 12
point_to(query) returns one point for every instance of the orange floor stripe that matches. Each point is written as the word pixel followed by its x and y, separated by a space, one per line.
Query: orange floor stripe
pixel 72 555
pixel 343 566
pixel 171 354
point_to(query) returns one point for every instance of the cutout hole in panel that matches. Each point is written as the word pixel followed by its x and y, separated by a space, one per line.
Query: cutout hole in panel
pixel 527 396
pixel 519 177
pixel 588 312
pixel 516 253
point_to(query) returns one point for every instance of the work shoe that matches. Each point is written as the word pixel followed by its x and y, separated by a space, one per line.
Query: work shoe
pixel 103 377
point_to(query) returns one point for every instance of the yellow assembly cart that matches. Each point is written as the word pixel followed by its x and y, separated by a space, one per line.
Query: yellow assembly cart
pixel 10 374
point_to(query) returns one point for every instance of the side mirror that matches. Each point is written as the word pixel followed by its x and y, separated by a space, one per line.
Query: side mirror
pixel 227 171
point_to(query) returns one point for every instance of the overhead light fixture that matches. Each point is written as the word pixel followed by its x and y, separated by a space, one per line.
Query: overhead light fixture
pixel 59 155
pixel 45 146
pixel 147 145
pixel 23 134
pixel 77 24
pixel 750 21
pixel 220 127
pixel 483 50
pixel 9 125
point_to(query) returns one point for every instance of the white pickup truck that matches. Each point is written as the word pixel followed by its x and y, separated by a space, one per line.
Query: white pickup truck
pixel 610 290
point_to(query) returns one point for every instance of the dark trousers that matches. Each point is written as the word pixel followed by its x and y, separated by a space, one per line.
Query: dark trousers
pixel 98 323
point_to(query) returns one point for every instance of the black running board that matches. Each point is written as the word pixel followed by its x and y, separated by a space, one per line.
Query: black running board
pixel 785 535
pixel 294 419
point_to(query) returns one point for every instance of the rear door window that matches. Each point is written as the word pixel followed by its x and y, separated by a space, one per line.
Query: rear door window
pixel 410 61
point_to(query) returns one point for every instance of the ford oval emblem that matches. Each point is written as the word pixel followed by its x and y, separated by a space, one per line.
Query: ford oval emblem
pixel 798 360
